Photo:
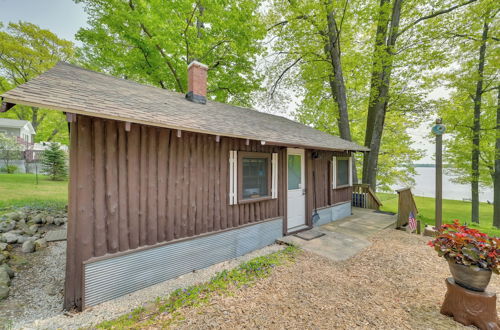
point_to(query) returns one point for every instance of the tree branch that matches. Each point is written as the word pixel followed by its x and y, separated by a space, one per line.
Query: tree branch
pixel 437 13
pixel 188 23
pixel 486 90
pixel 213 47
pixel 165 57
pixel 342 20
pixel 276 83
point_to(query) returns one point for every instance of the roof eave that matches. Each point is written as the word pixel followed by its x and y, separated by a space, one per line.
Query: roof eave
pixel 11 101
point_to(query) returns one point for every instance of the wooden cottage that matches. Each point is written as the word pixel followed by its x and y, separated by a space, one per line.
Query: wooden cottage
pixel 162 183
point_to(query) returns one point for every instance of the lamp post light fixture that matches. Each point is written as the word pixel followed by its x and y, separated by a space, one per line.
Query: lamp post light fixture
pixel 438 130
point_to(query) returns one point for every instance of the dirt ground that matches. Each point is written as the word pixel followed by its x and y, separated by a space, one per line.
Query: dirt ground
pixel 397 283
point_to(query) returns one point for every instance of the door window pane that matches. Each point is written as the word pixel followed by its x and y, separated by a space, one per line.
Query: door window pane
pixel 342 172
pixel 255 177
pixel 294 171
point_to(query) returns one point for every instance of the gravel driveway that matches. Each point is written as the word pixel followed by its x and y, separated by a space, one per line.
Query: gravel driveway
pixel 398 282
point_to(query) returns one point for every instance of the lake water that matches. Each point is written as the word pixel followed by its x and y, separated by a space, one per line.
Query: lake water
pixel 425 186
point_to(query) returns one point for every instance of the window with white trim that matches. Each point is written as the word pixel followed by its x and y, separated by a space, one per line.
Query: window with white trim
pixel 253 176
pixel 341 172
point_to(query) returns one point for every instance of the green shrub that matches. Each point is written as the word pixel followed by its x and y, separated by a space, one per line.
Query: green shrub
pixel 10 169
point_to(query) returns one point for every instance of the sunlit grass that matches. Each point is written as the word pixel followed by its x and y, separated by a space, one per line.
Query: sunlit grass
pixel 18 190
pixel 452 209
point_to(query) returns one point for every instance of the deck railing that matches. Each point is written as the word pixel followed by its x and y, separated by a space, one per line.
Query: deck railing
pixel 363 196
pixel 406 204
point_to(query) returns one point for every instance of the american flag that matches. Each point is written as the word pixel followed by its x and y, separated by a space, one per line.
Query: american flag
pixel 412 223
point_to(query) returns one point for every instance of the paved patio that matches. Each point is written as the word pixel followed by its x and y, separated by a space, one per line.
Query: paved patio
pixel 343 239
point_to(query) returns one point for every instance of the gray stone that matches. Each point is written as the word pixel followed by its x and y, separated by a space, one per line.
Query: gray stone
pixel 8 270
pixel 49 219
pixel 56 235
pixel 39 219
pixel 4 291
pixel 58 221
pixel 28 246
pixel 7 225
pixel 9 238
pixel 3 246
pixel 40 244
pixel 16 232
pixel 31 230
pixel 15 216
pixel 2 258
pixel 4 277
pixel 22 239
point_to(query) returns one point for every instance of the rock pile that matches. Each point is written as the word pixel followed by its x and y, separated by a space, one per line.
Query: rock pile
pixel 24 230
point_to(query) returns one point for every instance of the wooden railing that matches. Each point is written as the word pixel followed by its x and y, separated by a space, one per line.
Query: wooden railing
pixel 406 204
pixel 363 196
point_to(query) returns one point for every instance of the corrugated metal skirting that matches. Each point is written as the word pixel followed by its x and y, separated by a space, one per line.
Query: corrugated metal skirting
pixel 114 277
pixel 333 213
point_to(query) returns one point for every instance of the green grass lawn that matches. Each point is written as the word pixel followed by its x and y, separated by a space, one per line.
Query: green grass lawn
pixel 17 190
pixel 452 209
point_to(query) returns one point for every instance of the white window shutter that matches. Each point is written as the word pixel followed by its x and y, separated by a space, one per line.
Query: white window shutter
pixel 350 171
pixel 274 176
pixel 334 172
pixel 233 177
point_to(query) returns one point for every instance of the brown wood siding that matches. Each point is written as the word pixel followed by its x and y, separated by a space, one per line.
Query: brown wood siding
pixel 146 186
pixel 322 167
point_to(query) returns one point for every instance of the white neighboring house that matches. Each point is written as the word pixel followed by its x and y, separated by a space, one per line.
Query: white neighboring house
pixel 40 146
pixel 22 130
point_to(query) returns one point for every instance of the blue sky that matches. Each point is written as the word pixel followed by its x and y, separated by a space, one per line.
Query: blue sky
pixel 63 17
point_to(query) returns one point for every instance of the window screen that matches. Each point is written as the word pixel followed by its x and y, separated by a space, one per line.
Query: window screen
pixel 342 172
pixel 255 177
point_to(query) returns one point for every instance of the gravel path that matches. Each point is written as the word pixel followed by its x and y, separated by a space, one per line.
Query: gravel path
pixel 398 282
pixel 125 304
pixel 37 289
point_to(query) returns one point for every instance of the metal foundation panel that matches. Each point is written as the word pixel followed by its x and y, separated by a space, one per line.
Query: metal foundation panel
pixel 333 213
pixel 117 276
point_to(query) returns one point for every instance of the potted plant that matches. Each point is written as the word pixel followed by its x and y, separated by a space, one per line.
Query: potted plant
pixel 471 255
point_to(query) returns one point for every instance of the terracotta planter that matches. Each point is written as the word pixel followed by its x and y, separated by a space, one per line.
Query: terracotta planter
pixel 470 278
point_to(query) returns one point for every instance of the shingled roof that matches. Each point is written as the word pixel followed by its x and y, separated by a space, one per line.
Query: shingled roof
pixel 73 89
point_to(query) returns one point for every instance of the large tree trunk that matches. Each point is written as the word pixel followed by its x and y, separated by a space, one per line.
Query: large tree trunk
pixel 376 77
pixel 496 176
pixel 337 85
pixel 383 57
pixel 476 129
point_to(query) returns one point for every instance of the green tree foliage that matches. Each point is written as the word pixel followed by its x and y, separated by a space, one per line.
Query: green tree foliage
pixel 153 42
pixel 9 150
pixel 26 51
pixel 472 76
pixel 54 162
pixel 300 63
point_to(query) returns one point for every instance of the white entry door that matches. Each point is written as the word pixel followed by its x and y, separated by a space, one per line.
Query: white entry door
pixel 296 206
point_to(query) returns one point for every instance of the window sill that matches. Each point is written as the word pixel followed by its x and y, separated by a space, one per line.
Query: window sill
pixel 254 200
pixel 341 187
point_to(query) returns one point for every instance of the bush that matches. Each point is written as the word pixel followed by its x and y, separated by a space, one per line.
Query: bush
pixel 466 246
pixel 54 163
pixel 10 169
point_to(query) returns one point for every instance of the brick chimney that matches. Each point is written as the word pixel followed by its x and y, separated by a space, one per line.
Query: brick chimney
pixel 197 82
